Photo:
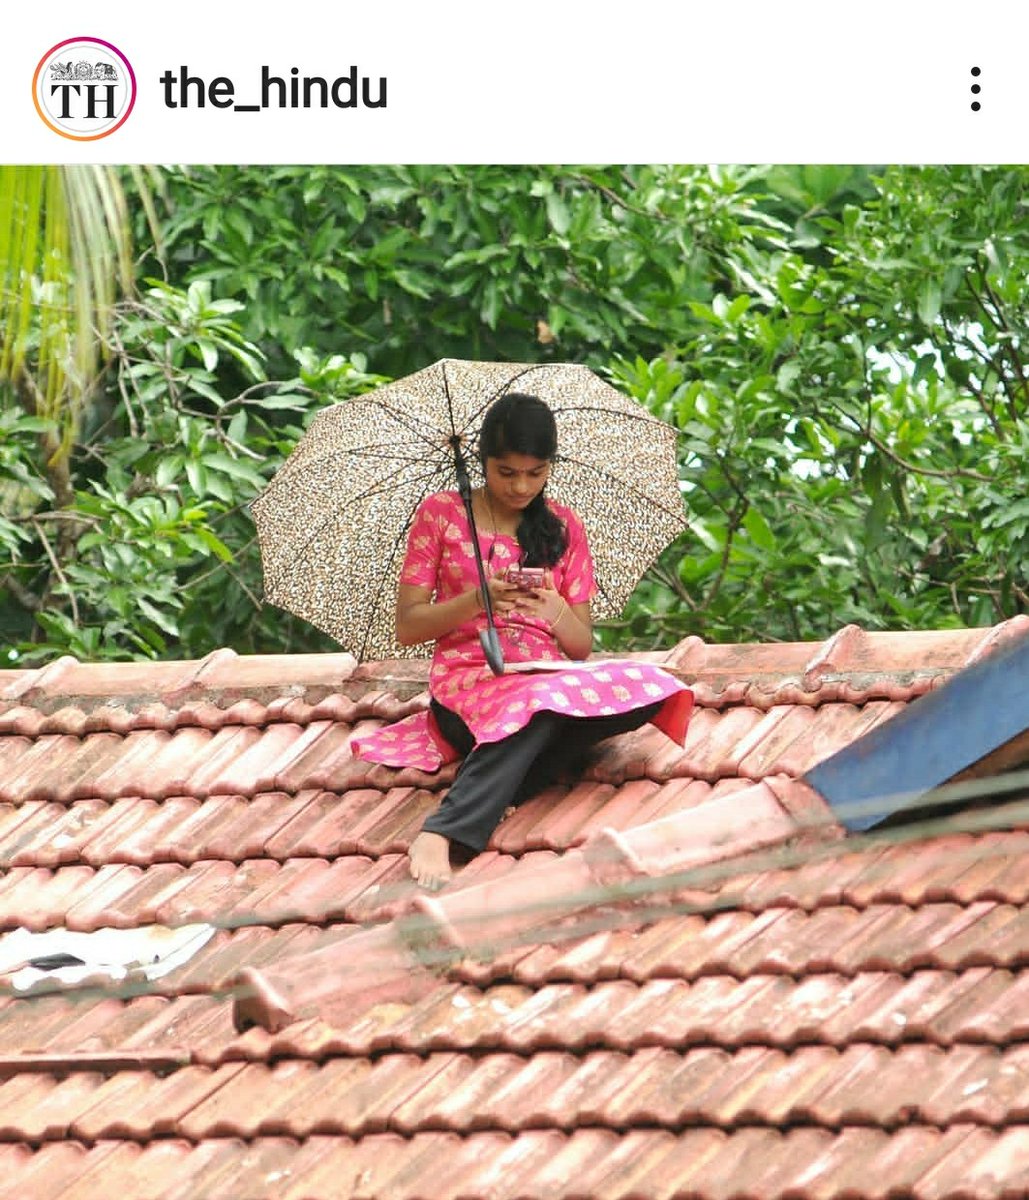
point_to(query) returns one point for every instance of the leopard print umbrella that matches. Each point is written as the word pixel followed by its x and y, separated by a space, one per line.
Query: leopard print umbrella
pixel 332 523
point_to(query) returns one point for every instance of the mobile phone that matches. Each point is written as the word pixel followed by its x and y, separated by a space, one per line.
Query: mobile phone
pixel 527 578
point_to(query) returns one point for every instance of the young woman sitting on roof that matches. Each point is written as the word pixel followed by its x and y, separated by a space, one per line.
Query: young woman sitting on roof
pixel 517 730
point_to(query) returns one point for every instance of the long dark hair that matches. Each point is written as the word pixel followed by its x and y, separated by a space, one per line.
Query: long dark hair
pixel 518 423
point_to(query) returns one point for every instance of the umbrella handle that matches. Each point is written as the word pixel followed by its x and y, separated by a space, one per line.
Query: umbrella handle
pixel 491 648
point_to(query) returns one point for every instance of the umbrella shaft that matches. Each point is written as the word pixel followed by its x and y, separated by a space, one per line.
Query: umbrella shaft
pixel 489 638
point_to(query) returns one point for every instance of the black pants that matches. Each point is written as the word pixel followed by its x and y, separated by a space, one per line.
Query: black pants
pixel 496 775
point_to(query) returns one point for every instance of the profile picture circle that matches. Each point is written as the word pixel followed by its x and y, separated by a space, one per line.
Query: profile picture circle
pixel 84 88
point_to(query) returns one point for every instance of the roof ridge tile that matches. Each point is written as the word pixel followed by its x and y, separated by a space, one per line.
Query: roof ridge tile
pixel 1006 631
pixel 209 665
pixel 833 655
pixel 716 829
pixel 36 679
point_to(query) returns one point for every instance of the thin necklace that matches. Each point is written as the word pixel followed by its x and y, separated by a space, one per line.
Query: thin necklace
pixel 510 627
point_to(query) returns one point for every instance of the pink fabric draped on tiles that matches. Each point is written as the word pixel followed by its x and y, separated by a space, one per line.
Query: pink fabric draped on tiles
pixel 440 557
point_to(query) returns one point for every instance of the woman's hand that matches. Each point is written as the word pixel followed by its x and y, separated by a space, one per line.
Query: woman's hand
pixel 569 623
pixel 504 596
pixel 543 603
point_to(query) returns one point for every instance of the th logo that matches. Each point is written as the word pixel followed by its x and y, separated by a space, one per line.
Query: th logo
pixel 84 88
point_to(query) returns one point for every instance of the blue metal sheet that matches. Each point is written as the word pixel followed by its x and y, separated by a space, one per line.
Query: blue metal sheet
pixel 937 736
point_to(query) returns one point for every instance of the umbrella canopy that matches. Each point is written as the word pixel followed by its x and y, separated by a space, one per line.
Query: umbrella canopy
pixel 333 521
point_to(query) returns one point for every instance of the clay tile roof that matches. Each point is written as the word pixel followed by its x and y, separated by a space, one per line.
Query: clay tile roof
pixel 671 976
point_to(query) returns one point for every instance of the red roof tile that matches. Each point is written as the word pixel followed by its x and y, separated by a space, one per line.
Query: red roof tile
pixel 671 977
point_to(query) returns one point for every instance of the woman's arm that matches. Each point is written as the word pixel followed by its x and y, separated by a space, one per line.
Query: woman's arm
pixel 419 620
pixel 573 628
pixel 568 615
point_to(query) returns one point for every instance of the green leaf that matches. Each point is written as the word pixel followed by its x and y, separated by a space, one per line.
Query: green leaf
pixel 877 516
pixel 557 214
pixel 491 304
pixel 415 282
pixel 236 220
pixel 213 543
pixel 168 470
pixel 198 294
pixel 203 388
pixel 761 533
pixel 208 352
pixel 693 570
pixel 925 368
pixel 29 425
pixel 787 373
pixel 219 486
pixel 218 461
pixel 161 619
pixel 1008 515
pixel 237 430
pixel 738 307
pixel 929 302
pixel 197 477
pixel 291 400
pixel 712 538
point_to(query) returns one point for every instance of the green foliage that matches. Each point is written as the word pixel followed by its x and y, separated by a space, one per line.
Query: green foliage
pixel 842 348
pixel 65 251
pixel 410 264
pixel 156 557
pixel 854 425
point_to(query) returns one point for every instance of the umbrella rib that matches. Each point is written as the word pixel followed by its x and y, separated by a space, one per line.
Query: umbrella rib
pixel 600 588
pixel 438 471
pixel 624 485
pixel 371 453
pixel 384 450
pixel 380 489
pixel 504 387
pixel 601 410
pixel 385 485
pixel 421 429
pixel 450 402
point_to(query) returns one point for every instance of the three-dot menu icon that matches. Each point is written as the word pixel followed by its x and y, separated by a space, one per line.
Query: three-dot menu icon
pixel 976 89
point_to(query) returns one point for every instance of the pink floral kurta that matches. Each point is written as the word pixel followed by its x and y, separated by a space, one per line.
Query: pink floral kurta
pixel 440 556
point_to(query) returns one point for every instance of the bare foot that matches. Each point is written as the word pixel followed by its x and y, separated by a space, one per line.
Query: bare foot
pixel 430 860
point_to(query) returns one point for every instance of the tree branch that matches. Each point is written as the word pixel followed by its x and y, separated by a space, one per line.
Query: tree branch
pixel 735 520
pixel 254 600
pixel 984 404
pixel 122 389
pixel 674 584
pixel 614 198
pixel 25 596
pixel 58 572
pixel 996 313
pixel 56 464
pixel 73 517
pixel 880 445
pixel 957 472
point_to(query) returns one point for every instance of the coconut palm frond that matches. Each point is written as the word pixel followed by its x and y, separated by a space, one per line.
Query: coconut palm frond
pixel 65 257
pixel 21 192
